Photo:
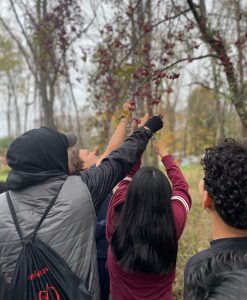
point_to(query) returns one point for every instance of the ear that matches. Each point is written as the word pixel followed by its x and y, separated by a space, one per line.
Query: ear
pixel 207 201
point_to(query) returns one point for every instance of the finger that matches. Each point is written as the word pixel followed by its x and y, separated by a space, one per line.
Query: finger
pixel 132 106
pixel 134 123
pixel 96 149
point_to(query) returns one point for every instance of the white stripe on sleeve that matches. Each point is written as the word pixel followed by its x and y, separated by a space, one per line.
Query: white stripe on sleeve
pixel 185 204
pixel 127 178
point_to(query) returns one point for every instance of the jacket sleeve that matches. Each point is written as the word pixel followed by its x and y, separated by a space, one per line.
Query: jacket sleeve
pixel 181 200
pixel 115 167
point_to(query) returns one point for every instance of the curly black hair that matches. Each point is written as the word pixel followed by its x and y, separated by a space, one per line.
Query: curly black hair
pixel 225 179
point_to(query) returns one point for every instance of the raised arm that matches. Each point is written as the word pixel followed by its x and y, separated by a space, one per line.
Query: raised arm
pixel 120 133
pixel 181 200
pixel 101 180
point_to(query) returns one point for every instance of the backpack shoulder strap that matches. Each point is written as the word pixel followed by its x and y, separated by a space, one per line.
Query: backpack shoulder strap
pixel 17 225
pixel 13 213
pixel 48 208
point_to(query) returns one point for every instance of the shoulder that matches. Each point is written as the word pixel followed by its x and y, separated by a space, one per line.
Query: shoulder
pixel 192 280
pixel 4 205
pixel 219 273
pixel 195 261
pixel 2 197
pixel 75 181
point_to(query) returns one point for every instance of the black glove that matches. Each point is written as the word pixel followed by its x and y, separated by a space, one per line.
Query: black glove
pixel 154 124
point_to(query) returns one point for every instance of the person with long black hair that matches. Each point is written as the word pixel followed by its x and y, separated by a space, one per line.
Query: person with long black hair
pixel 145 219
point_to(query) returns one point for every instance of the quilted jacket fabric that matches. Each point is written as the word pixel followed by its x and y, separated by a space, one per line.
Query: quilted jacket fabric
pixel 73 203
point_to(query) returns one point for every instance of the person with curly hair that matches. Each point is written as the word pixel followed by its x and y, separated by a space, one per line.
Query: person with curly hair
pixel 220 271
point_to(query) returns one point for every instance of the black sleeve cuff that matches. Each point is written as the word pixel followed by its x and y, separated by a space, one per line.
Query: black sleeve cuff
pixel 148 131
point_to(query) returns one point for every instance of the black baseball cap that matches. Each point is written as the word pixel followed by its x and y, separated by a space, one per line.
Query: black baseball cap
pixel 71 137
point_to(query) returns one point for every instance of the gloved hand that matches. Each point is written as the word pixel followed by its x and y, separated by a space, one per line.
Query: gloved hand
pixel 154 124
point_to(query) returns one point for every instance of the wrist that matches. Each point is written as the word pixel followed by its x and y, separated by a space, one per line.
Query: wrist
pixel 122 118
pixel 125 114
pixel 148 130
pixel 163 154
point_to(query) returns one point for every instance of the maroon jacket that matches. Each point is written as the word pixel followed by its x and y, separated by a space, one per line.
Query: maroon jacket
pixel 140 286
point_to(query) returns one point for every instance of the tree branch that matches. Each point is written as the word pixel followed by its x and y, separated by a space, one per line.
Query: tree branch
pixel 23 30
pixel 171 18
pixel 238 98
pixel 21 48
pixel 146 33
pixel 210 89
pixel 217 45
pixel 189 59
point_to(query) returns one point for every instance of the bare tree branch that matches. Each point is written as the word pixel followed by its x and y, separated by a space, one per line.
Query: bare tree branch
pixel 210 89
pixel 216 43
pixel 146 33
pixel 20 46
pixel 23 30
pixel 188 59
pixel 171 18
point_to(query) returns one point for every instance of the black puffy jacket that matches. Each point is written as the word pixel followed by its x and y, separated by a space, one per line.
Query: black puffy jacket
pixel 220 277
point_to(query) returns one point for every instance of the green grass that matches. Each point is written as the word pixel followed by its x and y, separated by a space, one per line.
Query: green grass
pixel 196 236
pixel 4 171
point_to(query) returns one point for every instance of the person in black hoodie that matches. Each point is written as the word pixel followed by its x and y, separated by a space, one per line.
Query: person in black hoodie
pixel 39 168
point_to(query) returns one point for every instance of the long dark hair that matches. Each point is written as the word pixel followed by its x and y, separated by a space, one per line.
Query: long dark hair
pixel 145 237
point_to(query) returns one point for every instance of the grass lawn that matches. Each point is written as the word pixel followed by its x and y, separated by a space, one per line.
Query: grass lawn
pixel 4 171
pixel 196 236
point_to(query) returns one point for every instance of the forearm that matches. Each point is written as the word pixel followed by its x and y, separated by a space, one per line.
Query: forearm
pixel 116 166
pixel 181 200
pixel 179 184
pixel 116 140
pixel 174 173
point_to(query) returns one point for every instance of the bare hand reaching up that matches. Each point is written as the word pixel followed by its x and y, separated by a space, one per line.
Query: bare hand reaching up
pixel 159 148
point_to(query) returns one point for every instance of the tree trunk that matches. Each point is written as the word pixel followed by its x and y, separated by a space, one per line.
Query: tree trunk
pixel 48 114
pixel 17 113
pixel 77 115
pixel 8 115
pixel 216 43
pixel 46 83
pixel 220 109
pixel 47 105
